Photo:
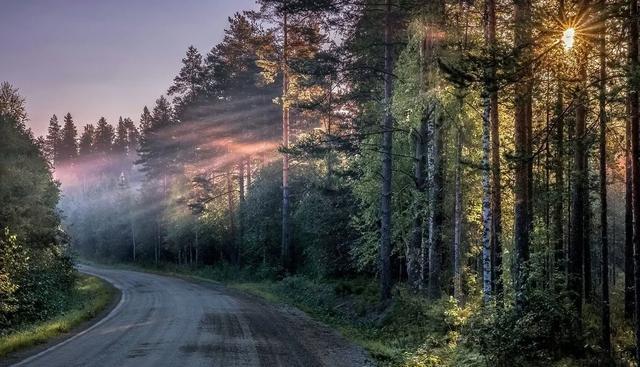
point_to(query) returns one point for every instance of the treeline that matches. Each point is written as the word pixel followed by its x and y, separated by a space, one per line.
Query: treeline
pixel 36 271
pixel 484 151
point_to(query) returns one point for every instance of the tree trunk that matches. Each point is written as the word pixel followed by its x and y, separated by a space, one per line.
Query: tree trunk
pixel 522 15
pixel 241 187
pixel 457 224
pixel 634 105
pixel 490 201
pixel 576 245
pixel 437 208
pixel 232 222
pixel 487 269
pixel 415 244
pixel 197 244
pixel 558 207
pixel 248 184
pixel 496 179
pixel 287 252
pixel 133 238
pixel 588 218
pixel 386 149
pixel 604 240
pixel 629 293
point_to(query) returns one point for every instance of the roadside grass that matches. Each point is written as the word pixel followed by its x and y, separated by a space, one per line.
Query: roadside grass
pixel 408 332
pixel 91 296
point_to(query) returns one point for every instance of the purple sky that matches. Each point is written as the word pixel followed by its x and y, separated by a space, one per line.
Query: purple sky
pixel 102 58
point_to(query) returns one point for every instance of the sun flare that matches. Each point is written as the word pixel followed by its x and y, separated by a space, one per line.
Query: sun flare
pixel 568 38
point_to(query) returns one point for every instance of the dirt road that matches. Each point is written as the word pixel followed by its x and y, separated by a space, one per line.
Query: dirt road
pixel 166 321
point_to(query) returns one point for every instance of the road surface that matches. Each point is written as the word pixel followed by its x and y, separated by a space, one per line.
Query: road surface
pixel 166 321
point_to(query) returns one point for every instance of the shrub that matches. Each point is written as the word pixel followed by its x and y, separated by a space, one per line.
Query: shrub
pixel 537 337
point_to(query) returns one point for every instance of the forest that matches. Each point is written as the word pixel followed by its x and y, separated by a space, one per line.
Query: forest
pixel 481 158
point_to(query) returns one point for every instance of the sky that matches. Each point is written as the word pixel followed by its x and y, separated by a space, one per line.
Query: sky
pixel 96 58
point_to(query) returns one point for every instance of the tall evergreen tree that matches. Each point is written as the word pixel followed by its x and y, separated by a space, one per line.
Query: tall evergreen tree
pixel 103 138
pixel 157 150
pixel 85 146
pixel 53 140
pixel 133 137
pixel 188 85
pixel 122 138
pixel 69 141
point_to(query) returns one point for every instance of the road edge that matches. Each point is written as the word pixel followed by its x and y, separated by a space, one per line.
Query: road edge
pixel 21 358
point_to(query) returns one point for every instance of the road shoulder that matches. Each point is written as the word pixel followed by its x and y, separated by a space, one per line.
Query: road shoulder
pixel 86 321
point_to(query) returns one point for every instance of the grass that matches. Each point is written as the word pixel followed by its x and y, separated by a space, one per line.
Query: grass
pixel 91 296
pixel 409 332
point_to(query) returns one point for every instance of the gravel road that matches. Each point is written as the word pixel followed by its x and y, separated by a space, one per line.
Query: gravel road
pixel 167 321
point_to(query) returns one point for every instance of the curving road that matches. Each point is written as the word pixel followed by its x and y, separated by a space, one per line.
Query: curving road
pixel 166 321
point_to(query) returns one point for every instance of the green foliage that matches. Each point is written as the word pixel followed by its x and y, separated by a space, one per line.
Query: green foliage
pixel 538 337
pixel 36 273
pixel 89 297
pixel 27 191
pixel 13 263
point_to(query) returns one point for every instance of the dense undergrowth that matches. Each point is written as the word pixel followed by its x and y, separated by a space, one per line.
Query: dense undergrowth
pixel 87 299
pixel 411 331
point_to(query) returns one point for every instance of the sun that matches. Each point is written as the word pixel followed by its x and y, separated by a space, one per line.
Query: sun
pixel 568 37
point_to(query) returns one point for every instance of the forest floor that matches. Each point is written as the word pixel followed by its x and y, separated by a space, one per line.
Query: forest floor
pixel 91 297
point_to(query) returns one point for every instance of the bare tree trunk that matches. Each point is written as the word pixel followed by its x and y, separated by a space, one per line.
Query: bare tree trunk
pixel 487 269
pixel 496 184
pixel 386 148
pixel 488 235
pixel 415 245
pixel 241 186
pixel 629 293
pixel 457 224
pixel 232 222
pixel 437 208
pixel 522 15
pixel 558 207
pixel 576 245
pixel 133 238
pixel 156 248
pixel 241 180
pixel 634 110
pixel 604 239
pixel 248 173
pixel 287 252
pixel 197 244
pixel 588 218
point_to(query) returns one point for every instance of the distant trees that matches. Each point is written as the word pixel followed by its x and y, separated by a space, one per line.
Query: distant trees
pixel 53 140
pixel 68 149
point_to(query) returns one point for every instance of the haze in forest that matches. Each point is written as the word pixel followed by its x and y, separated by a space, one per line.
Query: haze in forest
pixel 453 183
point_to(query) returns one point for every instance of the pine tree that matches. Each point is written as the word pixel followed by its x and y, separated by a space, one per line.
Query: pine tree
pixel 122 138
pixel 103 138
pixel 157 150
pixel 133 137
pixel 69 142
pixel 86 140
pixel 188 85
pixel 53 140
pixel 523 101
